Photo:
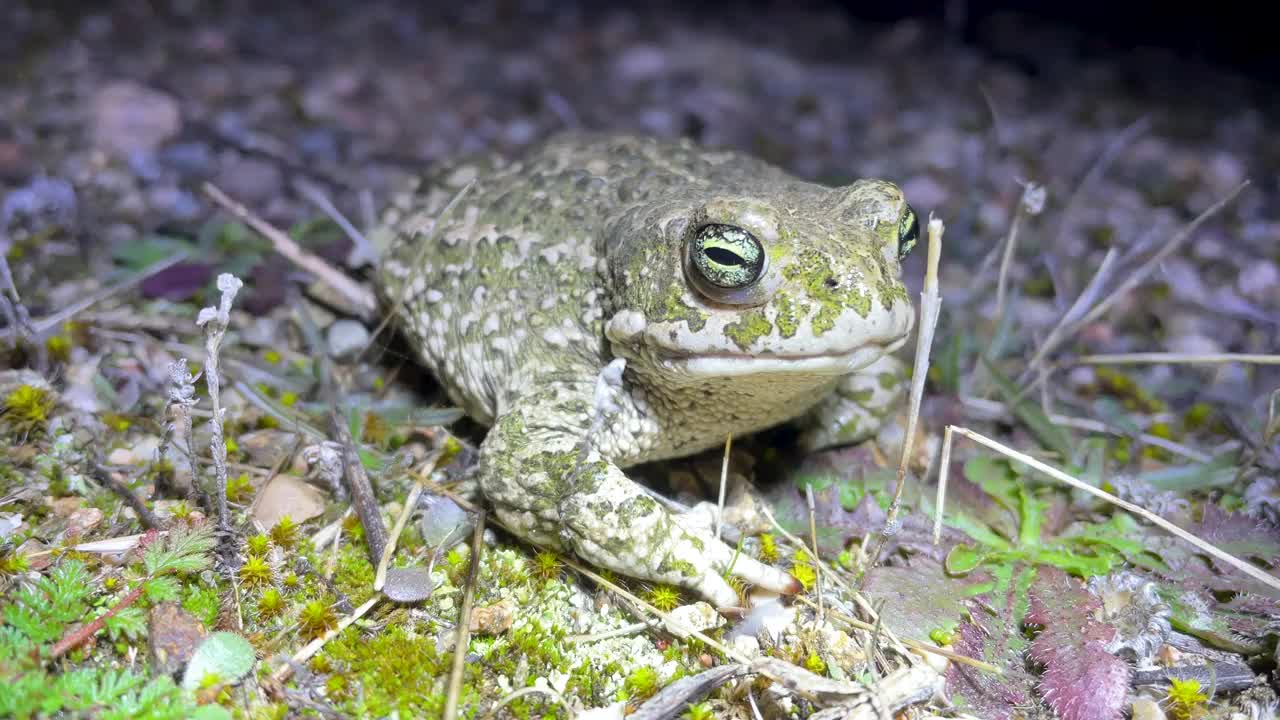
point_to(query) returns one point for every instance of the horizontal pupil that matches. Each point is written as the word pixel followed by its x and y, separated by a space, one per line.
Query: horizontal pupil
pixel 724 257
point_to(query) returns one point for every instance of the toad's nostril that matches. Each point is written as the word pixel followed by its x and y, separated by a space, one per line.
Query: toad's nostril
pixel 832 283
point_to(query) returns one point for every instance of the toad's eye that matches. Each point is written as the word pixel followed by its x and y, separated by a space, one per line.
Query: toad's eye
pixel 726 256
pixel 908 232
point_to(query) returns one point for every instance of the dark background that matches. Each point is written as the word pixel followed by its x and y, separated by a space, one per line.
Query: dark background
pixel 1229 35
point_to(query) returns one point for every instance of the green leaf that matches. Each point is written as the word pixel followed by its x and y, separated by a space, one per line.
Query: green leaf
pixel 962 560
pixel 183 551
pixel 1218 472
pixel 978 531
pixel 224 654
pixel 149 250
pixel 1051 436
pixel 161 589
pixel 1082 565
pixel 129 623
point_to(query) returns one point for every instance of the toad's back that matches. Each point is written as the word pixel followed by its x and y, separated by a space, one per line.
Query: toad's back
pixel 512 284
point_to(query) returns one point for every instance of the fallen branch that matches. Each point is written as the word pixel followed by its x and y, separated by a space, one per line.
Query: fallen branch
pixel 81 635
pixel 358 296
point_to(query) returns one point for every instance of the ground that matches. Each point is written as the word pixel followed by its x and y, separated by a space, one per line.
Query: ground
pixel 112 117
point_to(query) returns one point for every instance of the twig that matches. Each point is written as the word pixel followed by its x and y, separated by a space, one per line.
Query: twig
pixel 1099 167
pixel 631 629
pixel 818 570
pixel 1133 279
pixel 1175 358
pixel 463 637
pixel 380 577
pixel 45 324
pixel 942 485
pixel 724 480
pixel 930 305
pixel 314 195
pixel 991 409
pixel 103 475
pixel 1142 512
pixel 359 297
pixel 357 480
pixel 1082 302
pixel 1030 203
pixel 81 635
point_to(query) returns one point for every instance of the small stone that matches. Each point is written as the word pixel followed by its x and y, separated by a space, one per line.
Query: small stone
pixel 494 619
pixel 287 495
pixel 36 553
pixel 63 507
pixel 408 585
pixel 83 519
pixel 189 159
pixel 249 179
pixel 268 447
pixel 747 645
pixel 121 456
pixel 173 635
pixel 346 338
pixel 130 118
pixel 699 616
pixel 1258 279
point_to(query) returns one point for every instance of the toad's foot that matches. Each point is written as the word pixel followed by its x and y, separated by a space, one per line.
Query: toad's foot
pixel 552 491
pixel 857 408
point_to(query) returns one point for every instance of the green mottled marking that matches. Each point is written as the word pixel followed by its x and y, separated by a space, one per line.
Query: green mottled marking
pixel 750 327
pixel 811 271
pixel 672 308
pixel 789 314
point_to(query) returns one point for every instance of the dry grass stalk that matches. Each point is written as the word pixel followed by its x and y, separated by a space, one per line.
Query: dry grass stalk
pixel 724 480
pixel 930 306
pixel 463 636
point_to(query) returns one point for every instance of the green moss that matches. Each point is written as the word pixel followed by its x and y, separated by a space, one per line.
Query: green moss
pixel 285 532
pixel 27 408
pixel 258 544
pixel 815 664
pixel 255 571
pixel 203 604
pixel 642 682
pixel 239 488
pixel 664 597
pixel 750 327
pixel 315 618
pixel 270 603
pixel 396 671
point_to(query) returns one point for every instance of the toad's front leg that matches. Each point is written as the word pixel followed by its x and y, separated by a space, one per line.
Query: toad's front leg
pixel 552 490
pixel 858 407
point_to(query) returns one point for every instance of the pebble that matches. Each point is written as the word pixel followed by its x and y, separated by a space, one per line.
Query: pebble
pixel 249 179
pixel 129 118
pixel 83 520
pixel 1258 280
pixel 173 635
pixel 189 159
pixel 345 338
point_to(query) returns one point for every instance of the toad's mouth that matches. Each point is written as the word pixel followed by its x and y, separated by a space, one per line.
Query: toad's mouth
pixel 725 364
